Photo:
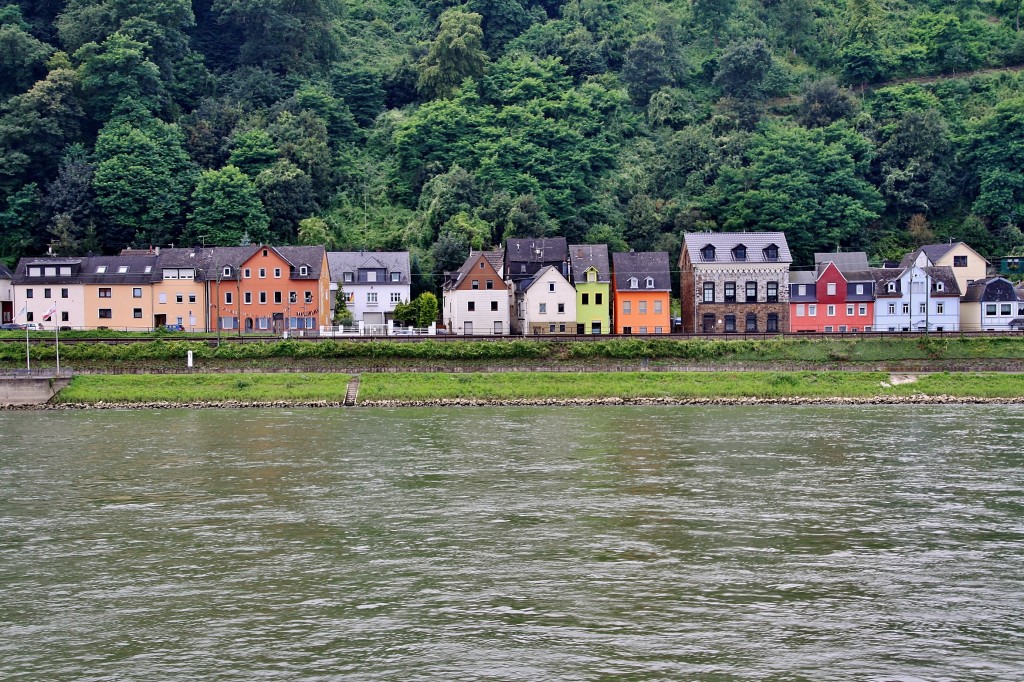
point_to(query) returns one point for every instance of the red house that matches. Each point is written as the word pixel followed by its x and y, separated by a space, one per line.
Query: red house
pixel 838 296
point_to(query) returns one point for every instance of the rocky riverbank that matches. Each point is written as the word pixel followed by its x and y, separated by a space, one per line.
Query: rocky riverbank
pixel 919 399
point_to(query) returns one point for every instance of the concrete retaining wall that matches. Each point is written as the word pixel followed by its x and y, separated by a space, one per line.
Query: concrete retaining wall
pixel 30 390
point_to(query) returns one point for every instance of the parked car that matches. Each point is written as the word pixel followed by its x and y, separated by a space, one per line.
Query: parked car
pixel 7 326
pixel 173 328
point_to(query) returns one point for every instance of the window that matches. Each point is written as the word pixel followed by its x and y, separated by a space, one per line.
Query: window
pixel 277 273
pixel 64 316
pixel 227 273
pixel 105 314
pixel 490 284
pixel 350 297
pixel 649 283
pixel 627 308
pixel 773 322
pixel 371 297
pixel 277 297
pixel 29 293
pixel 906 308
pixel 849 309
pixel 812 310
pixel 730 323
pixel 494 306
pixel 643 330
pixel 163 298
pixel 591 277
pixel 862 309
pixel 634 283
pixel 137 313
pixel 799 309
pixel 739 252
pixel 137 292
pixel 751 322
pixel 657 307
pixel 65 270
pixel 397 276
pixel 707 253
pixel 627 330
pixel 396 297
pixel 890 287
pixel 801 290
pixel 771 252
pixel 990 309
pixel 642 307
pixel 1004 309
pixel 105 292
pixel 730 292
pixel 371 275
pixel 940 307
pixel 709 292
pixel 191 298
pixel 228 298
pixel 263 273
pixel 585 299
pixel 751 292
pixel 475 284
pixel 293 297
pixel 347 277
pixel 561 308
pixel 939 286
pixel 959 261
pixel 309 297
pixel 64 293
pixel 248 298
pixel 178 298
pixel 860 289
pixel 102 269
pixel 247 273
pixel 658 330
pixel 922 308
pixel 598 299
pixel 829 328
pixel 264 253
pixel 35 272
pixel 303 271
pixel 831 289
pixel 772 293
pixel 595 327
pixel 471 306
pixel 29 316
pixel 263 297
pixel 497 327
pixel 46 293
pixel 122 270
pixel 892 308
pixel 551 328
pixel 842 328
pixel 551 287
pixel 830 311
pixel 543 309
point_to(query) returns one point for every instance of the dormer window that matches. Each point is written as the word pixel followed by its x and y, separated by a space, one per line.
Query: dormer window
pixel 591 276
pixel 771 252
pixel 122 270
pixel 708 253
pixel 397 276
pixel 101 269
pixel 649 283
pixel 891 287
pixel 227 270
pixel 634 283
pixel 939 286
pixel 347 277
pixel 739 252
pixel 303 271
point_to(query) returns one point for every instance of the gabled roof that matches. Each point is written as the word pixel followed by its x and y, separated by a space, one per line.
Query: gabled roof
pixel 537 250
pixel 803 277
pixel 4 272
pixel 853 261
pixel 582 257
pixel 454 279
pixel 823 268
pixel 84 270
pixel 297 256
pixel 724 242
pixel 341 262
pixel 997 289
pixel 641 265
pixel 933 252
pixel 541 274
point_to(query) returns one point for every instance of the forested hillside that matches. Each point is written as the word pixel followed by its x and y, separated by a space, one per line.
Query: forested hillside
pixel 436 125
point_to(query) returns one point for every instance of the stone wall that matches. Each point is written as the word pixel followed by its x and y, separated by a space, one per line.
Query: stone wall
pixel 15 390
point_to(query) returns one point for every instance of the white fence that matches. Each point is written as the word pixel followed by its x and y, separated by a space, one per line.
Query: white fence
pixel 362 329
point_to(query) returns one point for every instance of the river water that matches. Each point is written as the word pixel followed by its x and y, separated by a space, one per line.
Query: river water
pixel 854 543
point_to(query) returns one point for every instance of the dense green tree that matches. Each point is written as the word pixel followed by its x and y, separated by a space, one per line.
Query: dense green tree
pixel 647 69
pixel 226 210
pixel 22 56
pixel 288 197
pixel 824 103
pixel 19 223
pixel 115 70
pixel 450 251
pixel 713 15
pixel 456 54
pixel 283 36
pixel 916 165
pixel 252 151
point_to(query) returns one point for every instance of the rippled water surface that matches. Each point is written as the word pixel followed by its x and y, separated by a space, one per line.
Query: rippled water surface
pixel 869 543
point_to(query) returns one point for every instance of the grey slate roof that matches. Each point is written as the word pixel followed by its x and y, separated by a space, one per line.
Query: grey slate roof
pixel 854 261
pixel 453 279
pixel 585 256
pixel 641 265
pixel 310 256
pixel 4 272
pixel 83 270
pixel 945 275
pixel 537 250
pixel 933 251
pixel 803 277
pixel 725 241
pixel 992 289
pixel 351 261
pixel 527 283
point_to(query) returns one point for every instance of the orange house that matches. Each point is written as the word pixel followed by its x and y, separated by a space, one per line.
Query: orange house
pixel 269 289
pixel 642 293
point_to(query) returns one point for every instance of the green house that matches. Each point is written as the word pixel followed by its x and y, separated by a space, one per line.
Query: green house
pixel 591 276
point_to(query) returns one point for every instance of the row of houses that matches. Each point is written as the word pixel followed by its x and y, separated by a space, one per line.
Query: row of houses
pixel 743 282
pixel 547 286
pixel 729 282
pixel 246 289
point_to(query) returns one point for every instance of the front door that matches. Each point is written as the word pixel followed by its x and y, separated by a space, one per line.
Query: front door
pixel 159 321
pixel 708 323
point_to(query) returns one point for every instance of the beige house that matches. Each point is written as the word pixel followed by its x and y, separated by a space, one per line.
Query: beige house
pixel 117 292
pixel 40 283
pixel 968 267
pixel 178 291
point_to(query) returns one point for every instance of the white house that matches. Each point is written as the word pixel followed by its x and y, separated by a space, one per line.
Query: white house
pixel 991 305
pixel 38 283
pixel 476 298
pixel 373 282
pixel 545 304
pixel 916 297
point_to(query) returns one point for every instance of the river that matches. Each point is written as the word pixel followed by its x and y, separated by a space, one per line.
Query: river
pixel 710 543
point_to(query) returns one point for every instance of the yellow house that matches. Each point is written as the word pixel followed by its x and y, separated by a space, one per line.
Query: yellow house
pixel 178 292
pixel 117 292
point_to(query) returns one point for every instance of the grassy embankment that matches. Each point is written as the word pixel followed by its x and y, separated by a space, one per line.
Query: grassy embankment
pixel 413 387
pixel 200 388
pixel 530 386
